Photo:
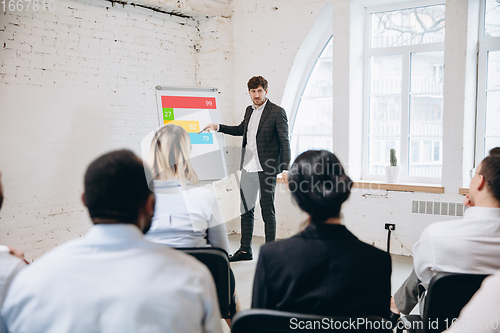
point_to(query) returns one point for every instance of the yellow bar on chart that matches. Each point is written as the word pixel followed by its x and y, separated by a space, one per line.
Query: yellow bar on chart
pixel 191 126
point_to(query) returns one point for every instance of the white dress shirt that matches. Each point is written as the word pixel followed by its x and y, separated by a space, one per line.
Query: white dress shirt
pixel 9 266
pixel 188 217
pixel 113 280
pixel 253 126
pixel 469 245
pixel 482 313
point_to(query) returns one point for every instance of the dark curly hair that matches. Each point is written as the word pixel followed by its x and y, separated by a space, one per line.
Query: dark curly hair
pixel 490 170
pixel 257 81
pixel 319 184
pixel 116 186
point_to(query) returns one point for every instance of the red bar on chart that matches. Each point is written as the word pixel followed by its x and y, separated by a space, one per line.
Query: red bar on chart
pixel 188 102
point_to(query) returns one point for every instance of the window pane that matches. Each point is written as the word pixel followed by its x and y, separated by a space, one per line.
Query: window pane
pixel 490 143
pixel 426 110
pixel 437 151
pixel 385 75
pixel 493 70
pixel 492 19
pixel 492 113
pixel 379 153
pixel 427 72
pixel 415 151
pixel 385 115
pixel 385 110
pixel 312 126
pixel 408 26
pixel 492 116
pixel 421 162
pixel 319 83
pixel 301 143
pixel 314 116
pixel 327 52
pixel 426 113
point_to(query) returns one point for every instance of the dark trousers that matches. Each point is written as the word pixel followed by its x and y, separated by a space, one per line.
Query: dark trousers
pixel 409 294
pixel 250 184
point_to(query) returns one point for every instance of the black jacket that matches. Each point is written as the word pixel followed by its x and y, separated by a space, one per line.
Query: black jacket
pixel 273 145
pixel 324 270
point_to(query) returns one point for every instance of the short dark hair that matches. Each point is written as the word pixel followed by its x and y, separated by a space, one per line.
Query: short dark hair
pixel 319 184
pixel 257 81
pixel 490 170
pixel 116 186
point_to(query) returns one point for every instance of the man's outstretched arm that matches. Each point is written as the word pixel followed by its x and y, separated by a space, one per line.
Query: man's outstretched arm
pixel 231 130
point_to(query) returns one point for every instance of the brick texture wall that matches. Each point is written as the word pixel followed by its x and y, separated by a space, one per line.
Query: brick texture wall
pixel 76 82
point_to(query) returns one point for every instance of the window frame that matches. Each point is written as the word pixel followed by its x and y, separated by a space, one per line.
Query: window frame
pixel 486 44
pixel 405 51
pixel 303 83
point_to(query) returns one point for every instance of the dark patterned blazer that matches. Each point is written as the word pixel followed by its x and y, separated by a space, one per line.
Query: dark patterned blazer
pixel 273 145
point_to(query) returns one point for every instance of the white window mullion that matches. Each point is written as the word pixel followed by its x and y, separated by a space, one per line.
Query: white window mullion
pixel 366 114
pixel 405 115
pixel 407 48
pixel 387 88
pixel 481 103
pixel 366 93
pixel 486 44
pixel 403 5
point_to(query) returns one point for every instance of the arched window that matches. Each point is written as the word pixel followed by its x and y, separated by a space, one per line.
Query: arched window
pixel 312 121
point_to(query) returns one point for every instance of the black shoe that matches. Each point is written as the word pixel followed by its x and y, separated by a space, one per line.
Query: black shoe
pixel 241 255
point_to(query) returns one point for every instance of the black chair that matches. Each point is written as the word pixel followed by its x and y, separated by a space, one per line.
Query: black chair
pixel 217 261
pixel 448 293
pixel 271 321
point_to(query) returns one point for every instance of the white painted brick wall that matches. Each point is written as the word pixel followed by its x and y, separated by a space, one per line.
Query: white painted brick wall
pixel 215 68
pixel 74 83
pixel 80 81
pixel 366 212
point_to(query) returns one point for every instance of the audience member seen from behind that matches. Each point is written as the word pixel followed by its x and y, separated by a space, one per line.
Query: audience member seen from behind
pixel 185 215
pixel 11 262
pixel 112 279
pixel 325 269
pixel 469 245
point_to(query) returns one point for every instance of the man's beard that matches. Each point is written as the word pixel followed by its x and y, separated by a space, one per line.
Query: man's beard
pixel 259 101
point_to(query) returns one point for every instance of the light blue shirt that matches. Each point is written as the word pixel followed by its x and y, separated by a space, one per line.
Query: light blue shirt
pixel 9 267
pixel 113 280
pixel 189 217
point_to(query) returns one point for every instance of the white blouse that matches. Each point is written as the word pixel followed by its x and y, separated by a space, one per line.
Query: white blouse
pixel 189 217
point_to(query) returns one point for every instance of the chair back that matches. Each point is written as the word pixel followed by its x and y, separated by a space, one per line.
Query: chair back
pixel 272 321
pixel 448 293
pixel 217 261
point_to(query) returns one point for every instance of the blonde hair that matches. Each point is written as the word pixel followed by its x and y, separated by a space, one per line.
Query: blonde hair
pixel 170 153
